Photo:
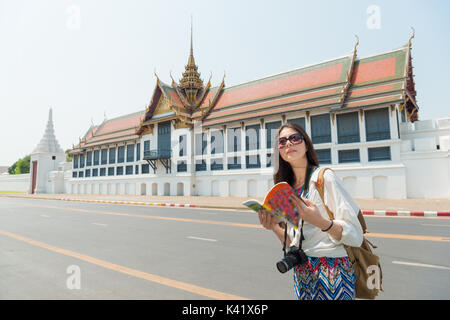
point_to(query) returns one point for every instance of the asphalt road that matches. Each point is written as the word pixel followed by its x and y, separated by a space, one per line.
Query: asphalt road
pixel 69 250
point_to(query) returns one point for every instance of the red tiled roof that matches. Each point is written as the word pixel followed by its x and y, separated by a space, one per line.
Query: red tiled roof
pixel 283 85
pixel 294 90
pixel 372 101
pixel 209 96
pixel 358 92
pixel 379 79
pixel 113 135
pixel 272 111
pixel 174 96
pixel 374 70
pixel 127 121
pixel 275 102
pixel 112 131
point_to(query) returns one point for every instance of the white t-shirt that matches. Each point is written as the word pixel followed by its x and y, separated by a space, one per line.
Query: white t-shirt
pixel 318 243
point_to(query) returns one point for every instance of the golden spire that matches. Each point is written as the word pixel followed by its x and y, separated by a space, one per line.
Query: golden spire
pixel 191 83
pixel 191 61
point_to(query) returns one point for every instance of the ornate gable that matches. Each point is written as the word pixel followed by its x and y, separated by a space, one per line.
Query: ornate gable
pixel 182 103
pixel 162 107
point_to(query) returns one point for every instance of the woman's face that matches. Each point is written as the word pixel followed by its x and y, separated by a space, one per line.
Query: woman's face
pixel 292 151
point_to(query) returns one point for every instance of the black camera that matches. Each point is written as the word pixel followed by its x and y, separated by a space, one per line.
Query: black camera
pixel 292 258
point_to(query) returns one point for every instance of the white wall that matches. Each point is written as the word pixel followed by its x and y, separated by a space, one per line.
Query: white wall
pixel 426 156
pixel 418 169
pixel 15 182
pixel 428 177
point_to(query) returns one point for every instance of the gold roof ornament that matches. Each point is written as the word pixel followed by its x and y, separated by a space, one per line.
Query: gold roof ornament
pixel 349 74
pixel 191 84
pixel 356 44
pixel 412 37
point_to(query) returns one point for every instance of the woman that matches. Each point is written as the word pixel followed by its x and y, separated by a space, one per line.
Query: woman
pixel 328 274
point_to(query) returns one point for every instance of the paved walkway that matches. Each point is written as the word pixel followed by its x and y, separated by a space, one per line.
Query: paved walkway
pixel 442 205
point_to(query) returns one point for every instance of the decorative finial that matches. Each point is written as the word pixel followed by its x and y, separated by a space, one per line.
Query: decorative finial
pixel 357 42
pixel 412 36
pixel 191 60
pixel 192 50
pixel 50 115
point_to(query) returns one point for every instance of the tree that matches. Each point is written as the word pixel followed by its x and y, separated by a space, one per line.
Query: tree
pixel 12 168
pixel 69 157
pixel 21 166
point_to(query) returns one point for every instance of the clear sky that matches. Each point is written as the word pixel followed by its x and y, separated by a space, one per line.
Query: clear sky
pixel 88 58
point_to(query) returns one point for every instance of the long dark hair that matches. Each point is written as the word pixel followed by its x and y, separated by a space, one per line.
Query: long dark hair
pixel 284 171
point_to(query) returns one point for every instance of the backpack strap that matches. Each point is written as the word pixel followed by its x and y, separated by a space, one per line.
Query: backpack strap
pixel 320 186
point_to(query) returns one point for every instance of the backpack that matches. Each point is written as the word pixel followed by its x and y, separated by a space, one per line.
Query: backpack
pixel 362 258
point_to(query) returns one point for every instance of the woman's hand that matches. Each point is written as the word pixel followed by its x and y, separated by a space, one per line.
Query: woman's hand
pixel 310 212
pixel 267 220
pixel 270 222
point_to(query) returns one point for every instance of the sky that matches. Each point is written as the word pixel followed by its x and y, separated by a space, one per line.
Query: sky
pixel 87 59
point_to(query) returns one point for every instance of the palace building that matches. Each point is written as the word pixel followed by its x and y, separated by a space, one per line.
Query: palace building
pixel 197 139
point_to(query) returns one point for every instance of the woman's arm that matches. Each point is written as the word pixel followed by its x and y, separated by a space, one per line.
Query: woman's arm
pixel 310 213
pixel 345 211
pixel 335 231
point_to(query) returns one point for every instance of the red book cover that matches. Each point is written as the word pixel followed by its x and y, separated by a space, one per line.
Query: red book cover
pixel 278 204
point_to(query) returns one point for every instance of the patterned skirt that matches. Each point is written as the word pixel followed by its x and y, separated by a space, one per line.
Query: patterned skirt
pixel 325 279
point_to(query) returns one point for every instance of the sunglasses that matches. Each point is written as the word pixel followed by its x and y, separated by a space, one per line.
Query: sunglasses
pixel 295 138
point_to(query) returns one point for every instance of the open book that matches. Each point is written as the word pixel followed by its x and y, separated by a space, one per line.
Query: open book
pixel 278 204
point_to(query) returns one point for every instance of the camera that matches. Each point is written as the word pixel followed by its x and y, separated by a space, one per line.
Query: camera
pixel 293 257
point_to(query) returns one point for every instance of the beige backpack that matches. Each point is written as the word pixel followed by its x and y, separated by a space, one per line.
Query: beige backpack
pixel 362 258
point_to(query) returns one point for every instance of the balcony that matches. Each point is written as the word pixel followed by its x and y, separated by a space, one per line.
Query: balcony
pixel 157 154
pixel 163 155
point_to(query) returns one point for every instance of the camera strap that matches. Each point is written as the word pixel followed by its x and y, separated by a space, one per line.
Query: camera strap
pixel 303 191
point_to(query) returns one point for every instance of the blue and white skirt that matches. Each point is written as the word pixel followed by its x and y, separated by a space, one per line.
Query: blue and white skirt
pixel 325 279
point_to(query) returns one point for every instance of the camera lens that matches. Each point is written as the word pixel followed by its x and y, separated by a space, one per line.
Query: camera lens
pixel 282 266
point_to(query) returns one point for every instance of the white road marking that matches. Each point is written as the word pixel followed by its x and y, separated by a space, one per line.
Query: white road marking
pixel 100 224
pixel 204 239
pixel 45 216
pixel 435 225
pixel 420 265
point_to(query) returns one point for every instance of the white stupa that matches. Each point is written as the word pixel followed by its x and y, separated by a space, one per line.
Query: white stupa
pixel 45 158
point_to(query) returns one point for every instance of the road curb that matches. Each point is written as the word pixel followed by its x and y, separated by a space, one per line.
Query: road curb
pixel 364 212
pixel 158 204
pixel 406 213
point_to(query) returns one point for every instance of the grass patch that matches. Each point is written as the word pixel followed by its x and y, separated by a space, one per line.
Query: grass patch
pixel 12 192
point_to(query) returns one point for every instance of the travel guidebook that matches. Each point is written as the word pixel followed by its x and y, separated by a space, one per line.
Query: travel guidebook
pixel 278 204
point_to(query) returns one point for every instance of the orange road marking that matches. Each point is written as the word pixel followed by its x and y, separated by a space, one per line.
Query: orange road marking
pixel 235 224
pixel 132 272
pixel 407 237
